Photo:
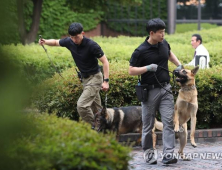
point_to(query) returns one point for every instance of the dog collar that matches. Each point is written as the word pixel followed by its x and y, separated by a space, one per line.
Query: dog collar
pixel 188 88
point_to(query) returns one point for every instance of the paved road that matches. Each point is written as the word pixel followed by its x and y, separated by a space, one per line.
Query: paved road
pixel 206 156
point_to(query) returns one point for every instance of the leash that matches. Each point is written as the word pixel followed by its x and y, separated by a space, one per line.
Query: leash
pixel 106 100
pixel 161 84
pixel 174 86
pixel 40 36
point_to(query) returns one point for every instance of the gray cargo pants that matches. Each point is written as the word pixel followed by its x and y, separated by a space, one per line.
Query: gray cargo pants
pixel 90 102
pixel 158 100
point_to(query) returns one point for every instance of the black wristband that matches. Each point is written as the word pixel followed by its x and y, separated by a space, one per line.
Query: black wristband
pixel 106 80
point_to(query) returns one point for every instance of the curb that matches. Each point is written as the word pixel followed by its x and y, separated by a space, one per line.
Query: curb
pixel 201 136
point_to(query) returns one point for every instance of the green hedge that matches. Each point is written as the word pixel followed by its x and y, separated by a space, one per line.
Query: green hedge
pixel 186 27
pixel 62 144
pixel 45 142
pixel 121 48
pixel 61 95
pixel 36 66
pixel 34 62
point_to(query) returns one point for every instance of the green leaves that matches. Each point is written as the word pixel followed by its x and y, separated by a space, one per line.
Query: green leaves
pixel 142 10
pixel 57 16
pixel 55 94
pixel 62 144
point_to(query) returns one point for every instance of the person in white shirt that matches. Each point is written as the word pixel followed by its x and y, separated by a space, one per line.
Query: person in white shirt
pixel 201 55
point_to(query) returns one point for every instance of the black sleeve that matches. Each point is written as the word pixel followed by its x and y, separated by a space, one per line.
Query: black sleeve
pixel 96 50
pixel 64 42
pixel 168 45
pixel 135 61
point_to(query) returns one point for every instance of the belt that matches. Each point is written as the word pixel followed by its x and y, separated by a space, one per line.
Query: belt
pixel 153 86
pixel 86 75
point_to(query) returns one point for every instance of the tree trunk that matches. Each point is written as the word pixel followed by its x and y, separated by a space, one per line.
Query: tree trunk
pixel 29 37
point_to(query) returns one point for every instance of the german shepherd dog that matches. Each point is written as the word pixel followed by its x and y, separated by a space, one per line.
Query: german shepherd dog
pixel 122 120
pixel 186 106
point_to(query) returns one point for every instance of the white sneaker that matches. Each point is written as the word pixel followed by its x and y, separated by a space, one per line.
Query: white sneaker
pixel 150 156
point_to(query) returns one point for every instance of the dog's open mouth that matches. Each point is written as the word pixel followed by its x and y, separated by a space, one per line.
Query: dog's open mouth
pixel 181 78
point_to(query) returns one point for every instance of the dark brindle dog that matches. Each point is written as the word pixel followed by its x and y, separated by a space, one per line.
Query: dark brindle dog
pixel 121 121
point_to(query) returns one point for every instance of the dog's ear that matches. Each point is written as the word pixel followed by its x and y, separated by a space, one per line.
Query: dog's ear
pixel 195 70
pixel 103 112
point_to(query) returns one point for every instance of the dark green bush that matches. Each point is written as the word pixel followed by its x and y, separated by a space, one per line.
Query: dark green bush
pixel 209 86
pixel 56 17
pixel 13 98
pixel 61 95
pixel 62 144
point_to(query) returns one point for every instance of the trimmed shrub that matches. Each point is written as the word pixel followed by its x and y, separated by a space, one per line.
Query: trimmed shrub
pixel 62 144
pixel 186 27
pixel 36 66
pixel 34 63
pixel 61 95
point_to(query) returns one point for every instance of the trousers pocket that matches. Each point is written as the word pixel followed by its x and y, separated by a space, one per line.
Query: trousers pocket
pixel 142 92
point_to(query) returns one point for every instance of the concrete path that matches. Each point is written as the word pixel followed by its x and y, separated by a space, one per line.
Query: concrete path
pixel 206 156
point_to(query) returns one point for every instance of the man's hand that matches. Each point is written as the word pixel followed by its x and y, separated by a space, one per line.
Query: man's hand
pixel 180 67
pixel 105 86
pixel 152 67
pixel 41 41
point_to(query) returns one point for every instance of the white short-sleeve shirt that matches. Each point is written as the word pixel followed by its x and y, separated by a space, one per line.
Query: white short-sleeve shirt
pixel 201 50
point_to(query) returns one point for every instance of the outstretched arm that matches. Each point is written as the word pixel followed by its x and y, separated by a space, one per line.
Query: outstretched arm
pixel 50 42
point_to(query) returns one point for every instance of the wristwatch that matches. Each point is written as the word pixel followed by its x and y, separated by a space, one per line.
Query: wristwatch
pixel 106 80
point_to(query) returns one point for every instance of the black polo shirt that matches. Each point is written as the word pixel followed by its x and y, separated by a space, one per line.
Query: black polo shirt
pixel 85 55
pixel 147 54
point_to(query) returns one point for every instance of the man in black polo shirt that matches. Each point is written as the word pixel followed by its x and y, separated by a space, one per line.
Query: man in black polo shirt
pixel 85 53
pixel 154 52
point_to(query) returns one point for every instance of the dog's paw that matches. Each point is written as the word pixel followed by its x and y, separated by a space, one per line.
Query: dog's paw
pixel 194 145
pixel 176 128
pixel 186 159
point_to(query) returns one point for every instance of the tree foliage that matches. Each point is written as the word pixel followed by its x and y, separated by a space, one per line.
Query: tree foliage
pixel 8 19
pixel 28 36
pixel 53 17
